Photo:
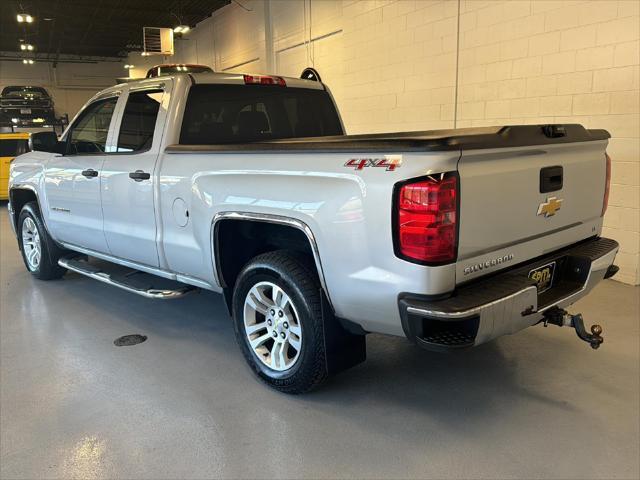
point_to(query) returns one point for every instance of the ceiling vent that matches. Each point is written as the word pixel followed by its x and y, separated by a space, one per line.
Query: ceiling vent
pixel 158 41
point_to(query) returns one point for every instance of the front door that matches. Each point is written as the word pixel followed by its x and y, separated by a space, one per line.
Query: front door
pixel 72 180
pixel 128 177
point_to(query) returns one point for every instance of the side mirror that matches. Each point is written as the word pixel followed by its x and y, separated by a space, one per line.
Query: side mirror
pixel 44 142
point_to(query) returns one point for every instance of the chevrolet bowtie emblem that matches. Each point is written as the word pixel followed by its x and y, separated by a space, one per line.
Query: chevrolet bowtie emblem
pixel 550 207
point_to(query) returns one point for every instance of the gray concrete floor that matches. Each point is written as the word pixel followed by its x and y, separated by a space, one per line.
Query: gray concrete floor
pixel 539 404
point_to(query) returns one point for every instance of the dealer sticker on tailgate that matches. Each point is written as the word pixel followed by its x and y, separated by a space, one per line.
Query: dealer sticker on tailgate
pixel 543 276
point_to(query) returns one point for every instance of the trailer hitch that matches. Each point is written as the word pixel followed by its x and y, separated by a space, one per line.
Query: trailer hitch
pixel 562 318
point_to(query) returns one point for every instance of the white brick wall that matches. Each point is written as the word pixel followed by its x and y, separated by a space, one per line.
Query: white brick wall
pixel 392 66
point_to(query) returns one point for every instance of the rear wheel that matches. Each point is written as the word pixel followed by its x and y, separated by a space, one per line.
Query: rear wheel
pixel 278 321
pixel 39 252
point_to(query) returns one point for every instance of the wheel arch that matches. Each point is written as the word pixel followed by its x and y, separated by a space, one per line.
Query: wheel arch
pixel 19 196
pixel 248 230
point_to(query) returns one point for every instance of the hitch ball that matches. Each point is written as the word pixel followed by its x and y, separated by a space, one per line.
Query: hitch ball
pixel 560 317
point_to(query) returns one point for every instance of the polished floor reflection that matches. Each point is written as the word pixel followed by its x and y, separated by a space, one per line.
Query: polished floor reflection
pixel 182 404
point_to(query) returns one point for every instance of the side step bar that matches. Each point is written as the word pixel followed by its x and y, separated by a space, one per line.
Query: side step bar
pixel 88 270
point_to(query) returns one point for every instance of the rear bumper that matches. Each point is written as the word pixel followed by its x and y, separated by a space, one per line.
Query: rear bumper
pixel 37 115
pixel 506 302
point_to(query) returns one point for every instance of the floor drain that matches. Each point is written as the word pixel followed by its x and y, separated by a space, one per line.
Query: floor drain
pixel 129 340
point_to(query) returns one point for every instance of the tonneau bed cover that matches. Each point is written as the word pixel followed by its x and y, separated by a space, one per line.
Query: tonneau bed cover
pixel 434 140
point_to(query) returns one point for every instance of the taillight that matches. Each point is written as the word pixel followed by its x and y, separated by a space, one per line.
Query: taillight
pixel 607 185
pixel 426 219
pixel 264 80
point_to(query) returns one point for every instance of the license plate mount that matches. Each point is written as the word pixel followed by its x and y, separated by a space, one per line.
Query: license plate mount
pixel 543 276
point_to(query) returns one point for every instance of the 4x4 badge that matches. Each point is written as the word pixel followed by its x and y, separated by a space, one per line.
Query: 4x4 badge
pixel 550 207
pixel 389 162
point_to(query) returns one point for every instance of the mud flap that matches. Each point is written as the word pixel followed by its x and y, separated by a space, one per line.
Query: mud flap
pixel 343 349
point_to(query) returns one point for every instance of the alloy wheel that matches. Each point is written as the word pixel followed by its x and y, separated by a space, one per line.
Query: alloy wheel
pixel 272 326
pixel 31 243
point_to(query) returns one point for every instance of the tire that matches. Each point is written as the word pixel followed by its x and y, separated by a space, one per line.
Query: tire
pixel 302 365
pixel 31 231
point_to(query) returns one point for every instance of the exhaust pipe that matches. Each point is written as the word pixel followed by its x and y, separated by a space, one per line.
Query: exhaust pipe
pixel 562 318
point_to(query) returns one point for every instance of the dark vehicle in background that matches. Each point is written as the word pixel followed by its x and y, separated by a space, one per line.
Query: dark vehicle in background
pixel 173 68
pixel 26 106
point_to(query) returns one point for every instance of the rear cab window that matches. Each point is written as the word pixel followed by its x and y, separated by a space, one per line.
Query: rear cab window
pixel 223 114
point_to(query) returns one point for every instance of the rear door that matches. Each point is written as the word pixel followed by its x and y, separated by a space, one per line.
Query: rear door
pixel 72 180
pixel 520 203
pixel 128 179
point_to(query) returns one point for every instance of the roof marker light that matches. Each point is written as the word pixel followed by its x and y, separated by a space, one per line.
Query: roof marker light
pixel 264 80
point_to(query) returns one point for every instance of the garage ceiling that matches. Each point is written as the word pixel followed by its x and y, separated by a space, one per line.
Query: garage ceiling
pixel 108 28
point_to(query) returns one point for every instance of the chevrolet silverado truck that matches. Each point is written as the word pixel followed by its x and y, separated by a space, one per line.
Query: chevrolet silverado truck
pixel 247 185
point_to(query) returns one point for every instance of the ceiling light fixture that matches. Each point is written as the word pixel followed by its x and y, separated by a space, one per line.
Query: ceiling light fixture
pixel 24 18
pixel 182 29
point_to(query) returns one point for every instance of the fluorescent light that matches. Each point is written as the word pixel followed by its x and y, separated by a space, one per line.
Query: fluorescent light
pixel 182 29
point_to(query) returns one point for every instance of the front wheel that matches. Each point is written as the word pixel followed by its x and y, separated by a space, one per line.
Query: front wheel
pixel 278 321
pixel 39 252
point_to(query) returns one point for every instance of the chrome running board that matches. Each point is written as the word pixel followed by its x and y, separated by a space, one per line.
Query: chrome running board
pixel 84 268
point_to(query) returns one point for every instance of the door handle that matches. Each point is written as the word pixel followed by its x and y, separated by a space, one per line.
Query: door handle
pixel 139 175
pixel 90 173
pixel 551 179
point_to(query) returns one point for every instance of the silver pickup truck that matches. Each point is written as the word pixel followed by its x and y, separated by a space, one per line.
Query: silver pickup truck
pixel 247 185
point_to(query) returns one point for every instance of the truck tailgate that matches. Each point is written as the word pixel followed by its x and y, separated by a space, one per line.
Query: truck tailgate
pixel 519 203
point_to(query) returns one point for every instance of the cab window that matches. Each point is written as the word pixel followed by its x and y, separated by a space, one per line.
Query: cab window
pixel 89 133
pixel 139 121
pixel 218 114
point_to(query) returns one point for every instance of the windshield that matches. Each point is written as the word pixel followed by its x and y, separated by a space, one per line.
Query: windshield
pixel 217 114
pixel 35 92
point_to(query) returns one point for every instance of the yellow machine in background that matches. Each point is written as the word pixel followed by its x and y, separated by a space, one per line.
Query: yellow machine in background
pixel 11 145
